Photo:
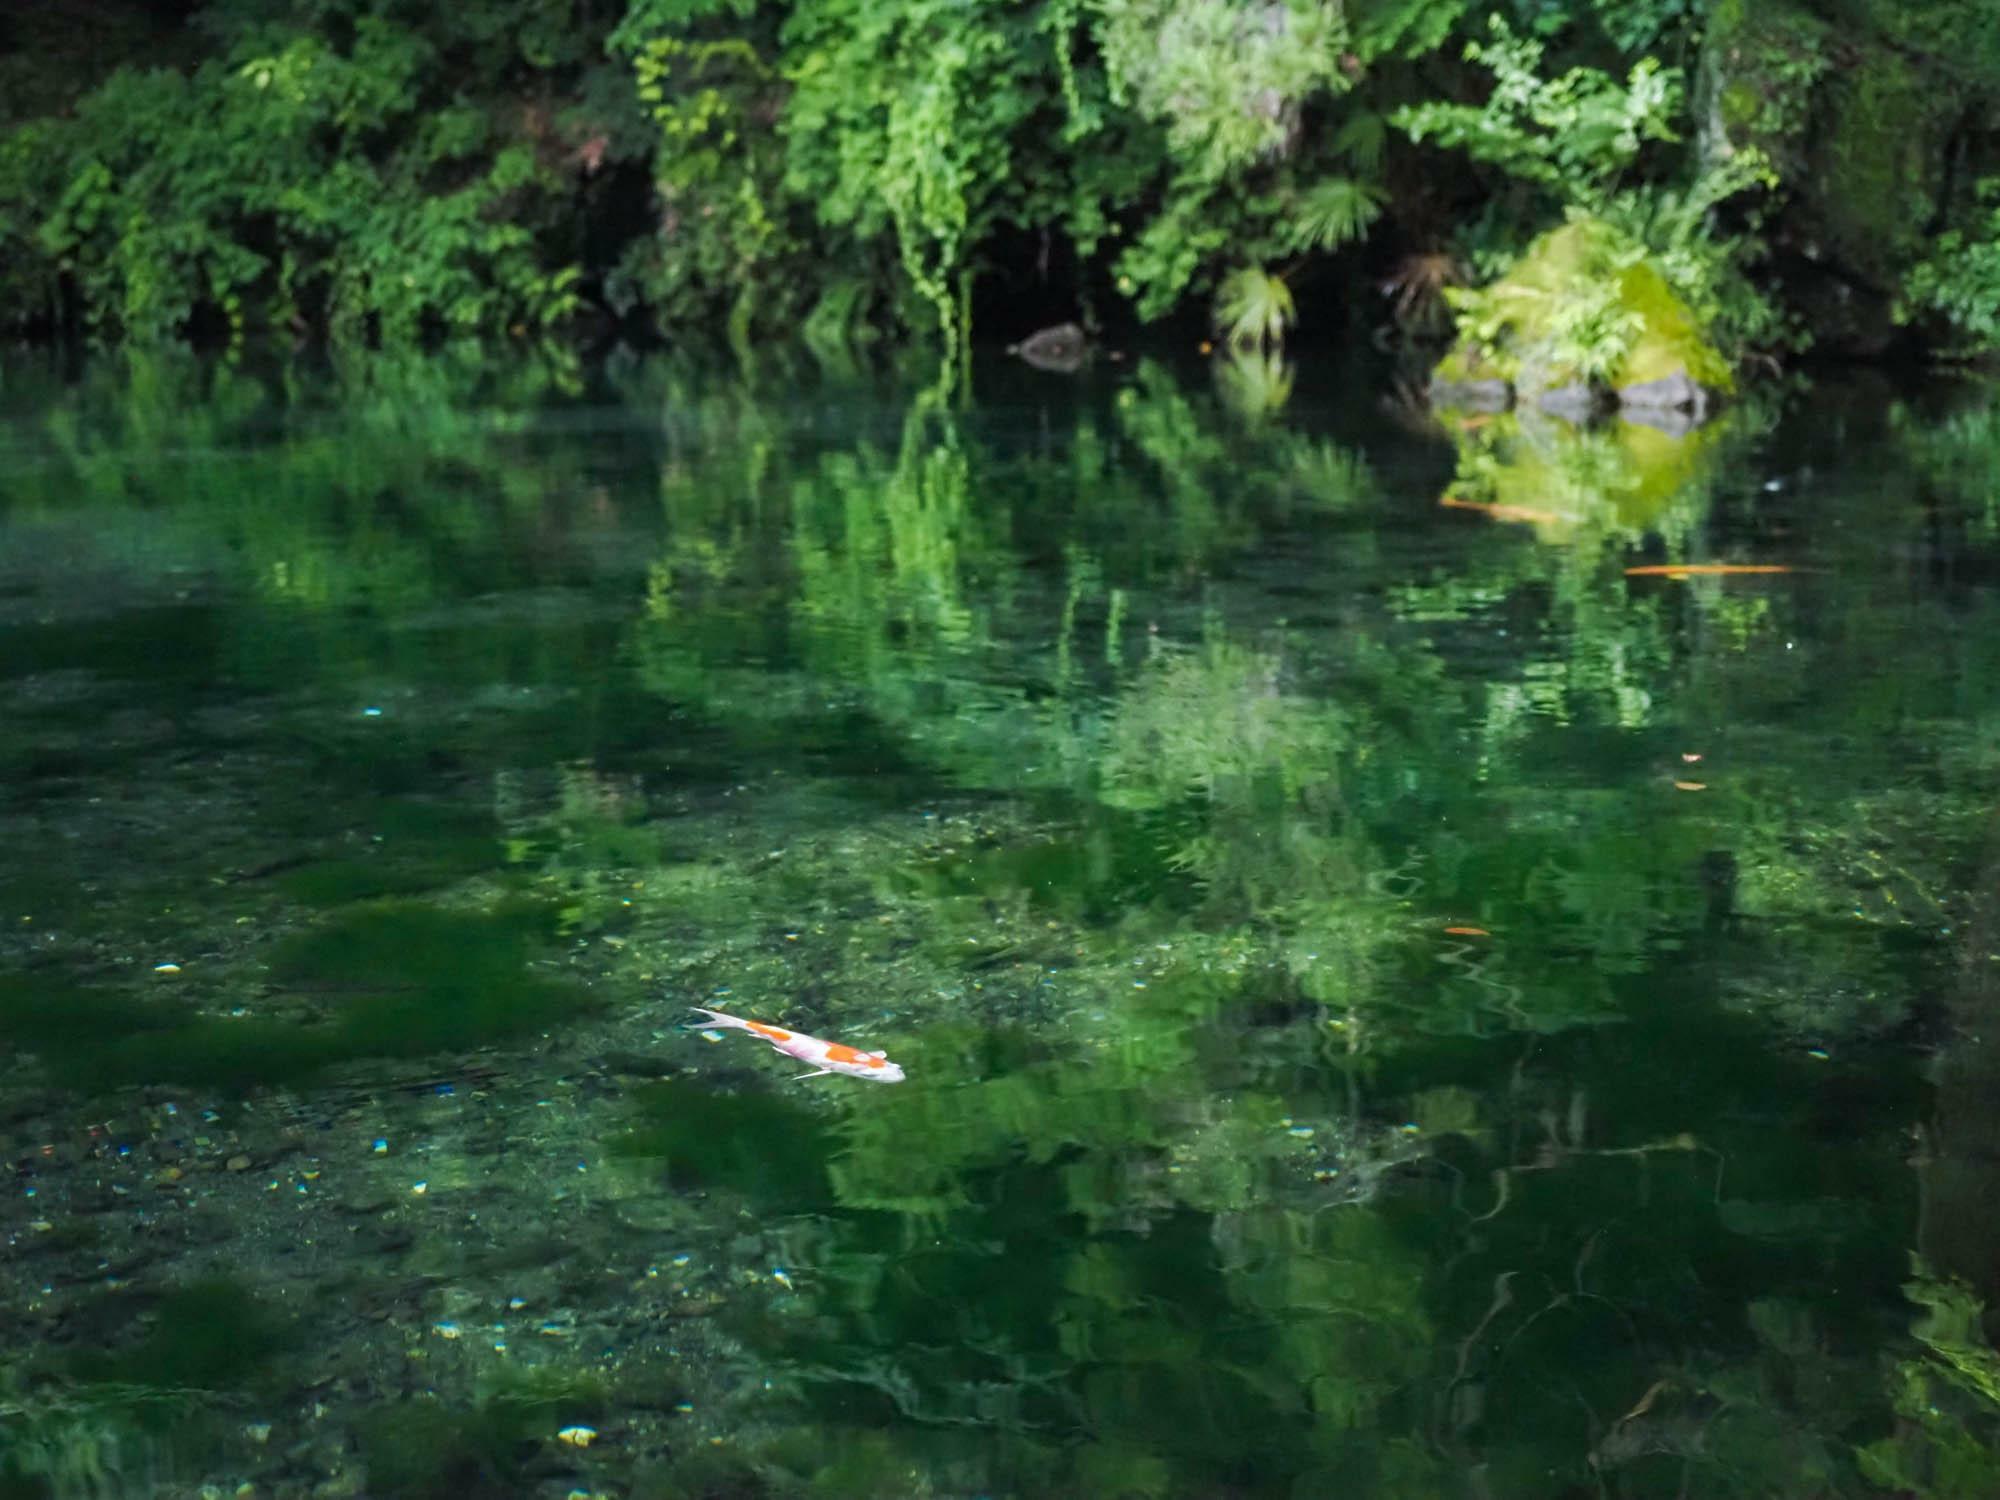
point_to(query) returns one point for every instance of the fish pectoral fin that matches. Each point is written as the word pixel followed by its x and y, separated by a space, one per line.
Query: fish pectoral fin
pixel 813 1074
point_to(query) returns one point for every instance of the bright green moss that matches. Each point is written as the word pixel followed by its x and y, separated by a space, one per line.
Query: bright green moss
pixel 1670 340
pixel 1582 304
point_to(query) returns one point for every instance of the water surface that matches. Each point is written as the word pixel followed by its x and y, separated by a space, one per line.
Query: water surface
pixel 1395 1004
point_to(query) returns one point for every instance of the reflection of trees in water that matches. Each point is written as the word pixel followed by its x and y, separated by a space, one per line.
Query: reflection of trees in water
pixel 1273 1163
pixel 1263 769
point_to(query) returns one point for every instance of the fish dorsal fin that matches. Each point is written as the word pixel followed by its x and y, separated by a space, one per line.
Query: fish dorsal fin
pixel 879 1056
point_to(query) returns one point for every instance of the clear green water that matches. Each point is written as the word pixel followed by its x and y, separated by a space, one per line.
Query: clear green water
pixel 393 755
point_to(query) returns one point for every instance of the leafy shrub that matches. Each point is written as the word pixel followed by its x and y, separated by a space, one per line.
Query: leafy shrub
pixel 1708 269
pixel 1579 137
pixel 388 172
pixel 912 123
pixel 291 181
pixel 1576 135
pixel 722 244
pixel 1229 81
pixel 1333 212
pixel 1959 281
pixel 29 180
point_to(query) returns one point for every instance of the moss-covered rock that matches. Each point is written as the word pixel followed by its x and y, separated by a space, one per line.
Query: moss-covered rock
pixel 1958 38
pixel 1584 307
pixel 1875 169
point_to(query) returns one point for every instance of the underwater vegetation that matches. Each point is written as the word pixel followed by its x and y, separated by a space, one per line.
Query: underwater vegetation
pixel 403 980
pixel 1417 952
pixel 118 1420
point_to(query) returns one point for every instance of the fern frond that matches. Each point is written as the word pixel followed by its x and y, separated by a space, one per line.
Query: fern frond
pixel 1253 307
pixel 1333 212
pixel 1407 28
pixel 1363 139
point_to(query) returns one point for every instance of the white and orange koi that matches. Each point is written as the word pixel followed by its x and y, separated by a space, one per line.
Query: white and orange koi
pixel 826 1057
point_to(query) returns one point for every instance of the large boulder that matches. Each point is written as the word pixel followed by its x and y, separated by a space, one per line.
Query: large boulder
pixel 1859 112
pixel 1523 330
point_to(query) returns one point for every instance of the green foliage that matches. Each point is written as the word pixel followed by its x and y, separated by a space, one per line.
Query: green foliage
pixel 1176 245
pixel 848 167
pixel 1403 28
pixel 1241 178
pixel 1333 212
pixel 1253 307
pixel 907 120
pixel 645 18
pixel 30 178
pixel 1958 281
pixel 1648 25
pixel 1363 139
pixel 1593 331
pixel 1708 270
pixel 1228 80
pixel 724 249
pixel 1577 135
pixel 925 174
pixel 291 181
pixel 1570 323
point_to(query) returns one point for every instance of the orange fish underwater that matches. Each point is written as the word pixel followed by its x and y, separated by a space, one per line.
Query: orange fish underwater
pixel 826 1057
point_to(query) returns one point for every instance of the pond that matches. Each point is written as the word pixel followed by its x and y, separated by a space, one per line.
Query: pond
pixel 1430 955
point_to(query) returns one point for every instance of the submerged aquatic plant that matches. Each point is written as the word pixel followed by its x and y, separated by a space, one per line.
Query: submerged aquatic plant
pixel 98 1441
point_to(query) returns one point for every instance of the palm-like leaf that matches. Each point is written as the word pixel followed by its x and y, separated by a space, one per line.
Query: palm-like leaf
pixel 1363 139
pixel 1253 307
pixel 1420 283
pixel 1333 212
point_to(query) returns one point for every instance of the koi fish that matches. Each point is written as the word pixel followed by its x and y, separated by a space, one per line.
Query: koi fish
pixel 1506 512
pixel 828 1057
pixel 1704 570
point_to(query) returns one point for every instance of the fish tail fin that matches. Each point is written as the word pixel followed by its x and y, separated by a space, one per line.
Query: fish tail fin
pixel 720 1018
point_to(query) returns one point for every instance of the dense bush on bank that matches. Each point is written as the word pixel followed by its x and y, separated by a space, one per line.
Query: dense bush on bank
pixel 1797 173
